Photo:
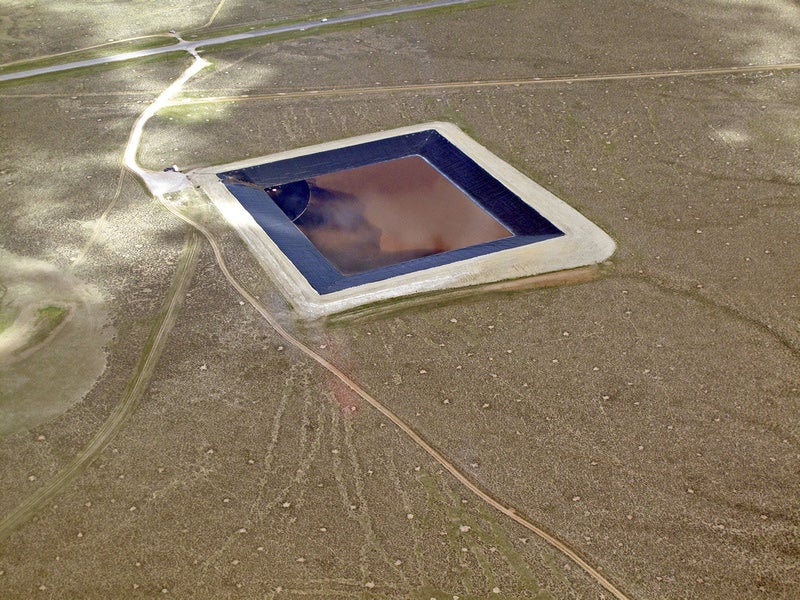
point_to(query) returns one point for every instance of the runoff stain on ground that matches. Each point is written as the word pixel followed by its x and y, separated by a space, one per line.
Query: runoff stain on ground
pixel 44 306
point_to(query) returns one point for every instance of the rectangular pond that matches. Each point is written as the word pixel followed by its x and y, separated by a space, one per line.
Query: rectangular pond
pixel 371 211
pixel 395 213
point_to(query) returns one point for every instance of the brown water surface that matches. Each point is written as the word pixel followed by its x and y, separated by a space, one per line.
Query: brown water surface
pixel 390 212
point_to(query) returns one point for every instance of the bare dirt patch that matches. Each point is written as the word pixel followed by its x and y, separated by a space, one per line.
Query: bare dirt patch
pixel 46 307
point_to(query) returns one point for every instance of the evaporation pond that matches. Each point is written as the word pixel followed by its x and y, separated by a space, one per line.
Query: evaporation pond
pixel 406 211
pixel 386 213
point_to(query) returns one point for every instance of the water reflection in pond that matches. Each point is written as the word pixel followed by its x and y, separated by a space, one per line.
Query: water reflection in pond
pixel 382 214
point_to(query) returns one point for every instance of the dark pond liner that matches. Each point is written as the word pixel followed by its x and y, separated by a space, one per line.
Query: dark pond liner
pixel 525 223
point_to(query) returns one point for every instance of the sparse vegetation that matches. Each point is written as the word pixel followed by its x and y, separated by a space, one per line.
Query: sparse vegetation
pixel 110 49
pixel 6 318
pixel 47 319
pixel 646 416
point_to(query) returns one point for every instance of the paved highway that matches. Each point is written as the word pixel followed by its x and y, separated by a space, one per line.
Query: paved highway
pixel 193 46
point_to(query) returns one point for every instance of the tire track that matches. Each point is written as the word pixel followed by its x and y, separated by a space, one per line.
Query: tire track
pixel 505 509
pixel 136 387
pixel 496 83
pixel 159 184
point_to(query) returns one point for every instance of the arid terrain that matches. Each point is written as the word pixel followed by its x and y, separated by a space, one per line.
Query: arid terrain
pixel 166 432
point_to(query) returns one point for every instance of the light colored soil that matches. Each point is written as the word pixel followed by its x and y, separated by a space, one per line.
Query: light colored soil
pixel 28 334
pixel 42 378
pixel 648 416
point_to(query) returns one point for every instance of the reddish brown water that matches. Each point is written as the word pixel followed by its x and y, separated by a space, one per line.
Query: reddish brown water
pixel 390 212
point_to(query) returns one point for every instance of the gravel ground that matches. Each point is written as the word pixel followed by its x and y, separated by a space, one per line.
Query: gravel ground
pixel 647 416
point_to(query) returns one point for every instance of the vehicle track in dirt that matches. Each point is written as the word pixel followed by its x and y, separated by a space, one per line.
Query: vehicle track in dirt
pixel 159 184
pixel 130 397
pixel 498 83
pixel 452 469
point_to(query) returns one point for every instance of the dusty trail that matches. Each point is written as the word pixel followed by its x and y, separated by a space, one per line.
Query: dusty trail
pixel 100 222
pixel 160 183
pixel 133 392
pixel 498 83
pixel 213 15
pixel 507 510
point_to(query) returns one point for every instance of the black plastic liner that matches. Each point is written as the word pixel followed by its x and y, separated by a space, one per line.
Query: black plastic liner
pixel 250 186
